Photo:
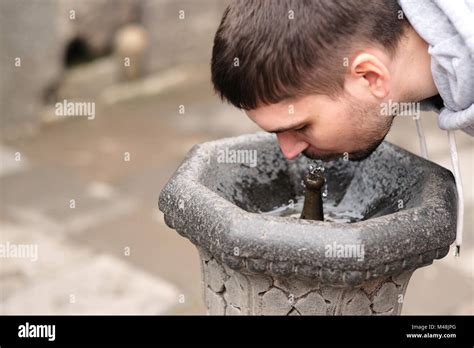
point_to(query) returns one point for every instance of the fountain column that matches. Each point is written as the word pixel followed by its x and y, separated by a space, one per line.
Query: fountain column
pixel 230 292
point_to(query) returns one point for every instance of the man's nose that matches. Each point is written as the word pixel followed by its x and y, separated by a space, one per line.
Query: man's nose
pixel 290 144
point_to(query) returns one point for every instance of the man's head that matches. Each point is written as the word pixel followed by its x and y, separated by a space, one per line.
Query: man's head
pixel 315 72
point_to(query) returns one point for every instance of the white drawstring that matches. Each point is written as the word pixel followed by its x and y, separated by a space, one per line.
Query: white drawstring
pixel 457 177
pixel 421 137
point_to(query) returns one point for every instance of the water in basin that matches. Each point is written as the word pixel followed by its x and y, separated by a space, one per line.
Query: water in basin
pixel 332 213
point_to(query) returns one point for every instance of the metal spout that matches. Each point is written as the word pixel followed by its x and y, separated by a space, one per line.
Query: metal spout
pixel 313 201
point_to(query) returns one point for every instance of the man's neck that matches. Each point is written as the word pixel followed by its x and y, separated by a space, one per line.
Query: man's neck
pixel 412 69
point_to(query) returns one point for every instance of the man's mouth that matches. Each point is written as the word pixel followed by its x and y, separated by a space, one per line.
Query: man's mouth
pixel 323 157
pixel 355 156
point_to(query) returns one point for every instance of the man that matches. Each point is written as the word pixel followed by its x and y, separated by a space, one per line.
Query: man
pixel 318 73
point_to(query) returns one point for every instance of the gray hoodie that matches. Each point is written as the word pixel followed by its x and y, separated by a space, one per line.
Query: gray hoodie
pixel 448 27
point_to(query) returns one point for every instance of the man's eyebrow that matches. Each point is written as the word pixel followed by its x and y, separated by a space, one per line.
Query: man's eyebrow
pixel 284 129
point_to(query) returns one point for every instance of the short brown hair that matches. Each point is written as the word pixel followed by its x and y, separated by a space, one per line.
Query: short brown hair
pixel 266 51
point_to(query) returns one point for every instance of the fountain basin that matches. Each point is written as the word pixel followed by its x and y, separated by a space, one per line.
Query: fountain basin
pixel 258 263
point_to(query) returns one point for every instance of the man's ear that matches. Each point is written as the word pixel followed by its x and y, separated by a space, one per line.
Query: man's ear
pixel 369 73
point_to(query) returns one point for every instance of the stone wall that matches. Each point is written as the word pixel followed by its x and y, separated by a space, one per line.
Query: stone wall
pixel 181 31
pixel 31 59
pixel 38 33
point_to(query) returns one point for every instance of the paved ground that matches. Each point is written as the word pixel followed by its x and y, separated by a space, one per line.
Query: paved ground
pixel 85 193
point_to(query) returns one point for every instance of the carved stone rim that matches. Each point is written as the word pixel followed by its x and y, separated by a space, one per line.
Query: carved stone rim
pixel 281 246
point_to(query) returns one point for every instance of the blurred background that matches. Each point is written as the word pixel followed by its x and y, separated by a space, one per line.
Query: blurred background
pixel 84 190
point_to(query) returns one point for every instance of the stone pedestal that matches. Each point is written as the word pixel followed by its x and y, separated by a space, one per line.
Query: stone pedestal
pixel 229 292
pixel 256 263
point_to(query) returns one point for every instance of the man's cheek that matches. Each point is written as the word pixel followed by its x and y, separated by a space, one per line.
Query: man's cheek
pixel 327 140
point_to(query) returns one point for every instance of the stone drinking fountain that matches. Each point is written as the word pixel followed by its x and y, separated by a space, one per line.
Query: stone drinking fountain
pixel 384 217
